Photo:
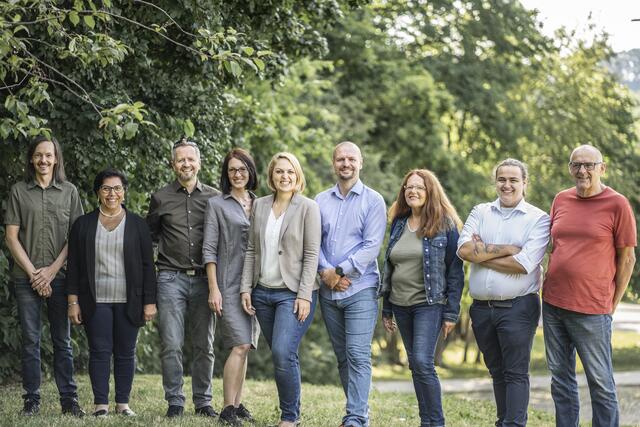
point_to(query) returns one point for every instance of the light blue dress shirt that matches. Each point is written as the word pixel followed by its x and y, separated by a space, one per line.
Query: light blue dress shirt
pixel 524 226
pixel 353 229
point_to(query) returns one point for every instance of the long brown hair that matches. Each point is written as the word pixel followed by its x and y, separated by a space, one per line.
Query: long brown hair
pixel 438 214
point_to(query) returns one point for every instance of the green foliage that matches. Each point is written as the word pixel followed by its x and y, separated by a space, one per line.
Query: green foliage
pixel 117 81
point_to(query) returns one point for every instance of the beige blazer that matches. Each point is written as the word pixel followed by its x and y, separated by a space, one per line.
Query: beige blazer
pixel 298 247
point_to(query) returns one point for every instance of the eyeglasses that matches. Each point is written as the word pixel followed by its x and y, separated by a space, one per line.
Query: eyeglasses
pixel 589 166
pixel 415 187
pixel 241 170
pixel 184 141
pixel 105 189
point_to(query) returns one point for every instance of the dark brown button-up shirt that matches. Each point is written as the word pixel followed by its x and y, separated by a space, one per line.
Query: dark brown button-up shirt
pixel 176 220
pixel 45 217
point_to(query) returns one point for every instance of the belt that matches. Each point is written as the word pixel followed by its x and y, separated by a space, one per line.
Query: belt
pixel 505 303
pixel 194 272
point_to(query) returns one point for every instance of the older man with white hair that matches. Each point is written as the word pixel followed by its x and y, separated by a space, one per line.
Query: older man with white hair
pixel 593 233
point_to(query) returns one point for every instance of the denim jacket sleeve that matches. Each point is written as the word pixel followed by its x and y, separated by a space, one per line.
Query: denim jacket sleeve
pixel 387 270
pixel 454 277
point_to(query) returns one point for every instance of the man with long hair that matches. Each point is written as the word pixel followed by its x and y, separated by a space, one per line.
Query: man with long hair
pixel 40 212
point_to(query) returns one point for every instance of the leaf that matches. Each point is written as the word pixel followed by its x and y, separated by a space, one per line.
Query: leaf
pixel 264 53
pixel 89 21
pixel 188 128
pixel 74 17
pixel 248 50
pixel 236 70
pixel 259 63
pixel 130 130
pixel 20 28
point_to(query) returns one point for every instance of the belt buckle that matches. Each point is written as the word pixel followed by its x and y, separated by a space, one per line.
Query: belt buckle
pixel 190 272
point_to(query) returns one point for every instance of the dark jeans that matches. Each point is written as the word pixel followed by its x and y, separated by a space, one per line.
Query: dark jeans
pixel 505 337
pixel 110 332
pixel 420 326
pixel 29 311
pixel 283 332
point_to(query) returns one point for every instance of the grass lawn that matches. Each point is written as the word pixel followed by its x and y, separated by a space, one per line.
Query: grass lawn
pixel 322 406
pixel 626 354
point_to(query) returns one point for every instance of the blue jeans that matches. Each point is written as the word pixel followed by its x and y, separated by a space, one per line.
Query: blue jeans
pixel 420 327
pixel 283 332
pixel 505 337
pixel 110 332
pixel 350 323
pixel 566 332
pixel 179 297
pixel 29 310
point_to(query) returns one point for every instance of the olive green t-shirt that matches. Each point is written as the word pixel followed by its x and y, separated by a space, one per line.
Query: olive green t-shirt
pixel 45 217
pixel 407 280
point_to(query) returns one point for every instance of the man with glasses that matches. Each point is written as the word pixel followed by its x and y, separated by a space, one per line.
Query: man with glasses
pixel 176 220
pixel 593 234
pixel 353 227
pixel 505 242
pixel 40 212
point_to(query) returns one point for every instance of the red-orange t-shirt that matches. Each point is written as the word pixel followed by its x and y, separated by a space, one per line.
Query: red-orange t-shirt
pixel 585 233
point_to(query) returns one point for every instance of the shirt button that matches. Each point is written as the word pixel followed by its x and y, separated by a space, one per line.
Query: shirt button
pixel 279 252
pixel 188 211
pixel 191 244
pixel 190 228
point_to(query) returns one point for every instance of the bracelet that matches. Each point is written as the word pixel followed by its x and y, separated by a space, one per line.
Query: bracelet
pixel 73 303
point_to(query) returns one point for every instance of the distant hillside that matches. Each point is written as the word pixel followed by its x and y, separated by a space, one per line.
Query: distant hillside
pixel 626 65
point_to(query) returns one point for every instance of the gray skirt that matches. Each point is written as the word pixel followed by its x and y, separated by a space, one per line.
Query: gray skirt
pixel 236 326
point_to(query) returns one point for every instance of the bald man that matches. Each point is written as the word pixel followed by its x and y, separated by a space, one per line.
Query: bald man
pixel 353 226
pixel 593 234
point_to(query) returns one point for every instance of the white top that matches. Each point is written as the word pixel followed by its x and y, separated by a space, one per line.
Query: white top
pixel 111 282
pixel 525 226
pixel 270 275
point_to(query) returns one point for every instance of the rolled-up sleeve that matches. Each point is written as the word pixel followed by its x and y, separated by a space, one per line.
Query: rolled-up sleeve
pixel 471 227
pixel 211 234
pixel 535 247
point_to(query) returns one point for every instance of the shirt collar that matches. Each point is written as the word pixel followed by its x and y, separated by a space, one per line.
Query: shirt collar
pixel 33 183
pixel 521 206
pixel 178 187
pixel 358 188
pixel 228 195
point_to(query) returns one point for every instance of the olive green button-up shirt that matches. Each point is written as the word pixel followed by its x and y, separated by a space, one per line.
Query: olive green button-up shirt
pixel 45 217
pixel 176 221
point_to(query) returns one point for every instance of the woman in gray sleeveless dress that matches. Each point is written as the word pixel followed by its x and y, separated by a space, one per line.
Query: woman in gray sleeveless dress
pixel 226 228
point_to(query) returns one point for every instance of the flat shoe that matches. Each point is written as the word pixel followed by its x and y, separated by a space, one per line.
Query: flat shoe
pixel 102 413
pixel 126 412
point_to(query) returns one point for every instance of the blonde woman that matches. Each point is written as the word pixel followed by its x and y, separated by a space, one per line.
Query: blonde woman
pixel 278 278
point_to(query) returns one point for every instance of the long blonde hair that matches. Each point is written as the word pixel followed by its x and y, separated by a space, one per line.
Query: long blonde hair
pixel 438 214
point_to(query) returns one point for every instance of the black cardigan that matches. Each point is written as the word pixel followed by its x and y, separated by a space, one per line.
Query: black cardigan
pixel 138 265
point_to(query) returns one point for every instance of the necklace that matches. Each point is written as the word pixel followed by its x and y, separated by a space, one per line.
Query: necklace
pixel 110 216
pixel 413 230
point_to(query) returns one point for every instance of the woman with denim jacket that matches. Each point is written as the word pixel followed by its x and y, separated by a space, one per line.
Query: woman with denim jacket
pixel 422 281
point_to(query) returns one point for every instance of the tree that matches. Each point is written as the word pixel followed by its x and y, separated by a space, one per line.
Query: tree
pixel 117 81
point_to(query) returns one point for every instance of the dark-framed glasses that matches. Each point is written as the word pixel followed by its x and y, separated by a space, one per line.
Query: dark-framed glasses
pixel 589 166
pixel 241 170
pixel 105 189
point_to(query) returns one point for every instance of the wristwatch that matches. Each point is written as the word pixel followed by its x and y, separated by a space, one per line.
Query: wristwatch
pixel 339 271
